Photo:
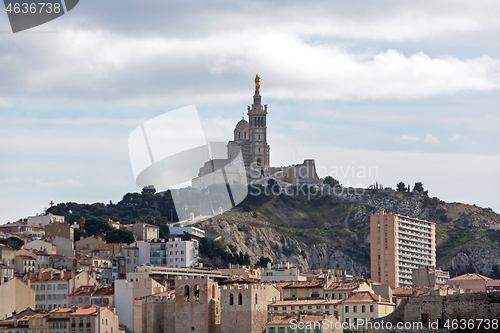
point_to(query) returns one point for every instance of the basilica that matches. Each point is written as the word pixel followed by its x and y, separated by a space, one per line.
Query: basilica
pixel 248 155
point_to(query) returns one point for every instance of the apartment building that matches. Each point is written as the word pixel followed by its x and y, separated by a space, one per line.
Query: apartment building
pixel 364 306
pixel 400 244
pixel 181 253
pixel 94 320
pixel 52 287
pixel 144 231
pixel 281 272
pixel 7 255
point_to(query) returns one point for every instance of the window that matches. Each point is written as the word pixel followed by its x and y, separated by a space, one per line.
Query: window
pixel 231 300
pixel 355 308
pixel 371 308
pixel 186 293
pixel 347 309
pixel 240 299
pixel 196 293
pixel 363 308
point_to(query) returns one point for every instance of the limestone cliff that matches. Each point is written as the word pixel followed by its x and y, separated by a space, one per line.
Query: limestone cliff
pixel 326 231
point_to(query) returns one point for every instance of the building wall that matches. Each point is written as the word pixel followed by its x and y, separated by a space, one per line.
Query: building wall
pixel 91 243
pixel 399 244
pixel 249 316
pixel 126 291
pixel 379 310
pixel 196 313
pixel 59 229
pixel 64 246
pixel 19 296
pixel 41 245
pixel 43 220
pixel 158 315
pixel 8 256
pixel 462 306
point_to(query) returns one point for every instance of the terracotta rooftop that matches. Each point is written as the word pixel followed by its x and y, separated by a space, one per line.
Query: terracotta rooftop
pixel 45 276
pixel 304 284
pixel 61 310
pixel 164 293
pixel 305 319
pixel 493 282
pixel 86 311
pixel 363 296
pixel 24 257
pixel 104 291
pixel 470 276
pixel 406 292
pixel 306 302
pixel 83 291
pixel 342 286
pixel 6 247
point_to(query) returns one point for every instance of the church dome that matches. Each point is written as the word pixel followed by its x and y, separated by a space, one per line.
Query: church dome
pixel 242 124
pixel 241 130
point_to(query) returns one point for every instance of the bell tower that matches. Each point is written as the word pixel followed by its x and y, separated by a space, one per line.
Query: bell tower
pixel 257 130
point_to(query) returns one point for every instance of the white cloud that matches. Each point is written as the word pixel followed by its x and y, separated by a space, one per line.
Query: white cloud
pixel 408 138
pixel 64 183
pixel 219 68
pixel 457 137
pixel 431 138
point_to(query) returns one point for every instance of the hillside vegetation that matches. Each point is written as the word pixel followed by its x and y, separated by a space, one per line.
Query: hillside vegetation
pixel 315 230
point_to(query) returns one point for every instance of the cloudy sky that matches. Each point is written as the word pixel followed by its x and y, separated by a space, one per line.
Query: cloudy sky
pixel 406 89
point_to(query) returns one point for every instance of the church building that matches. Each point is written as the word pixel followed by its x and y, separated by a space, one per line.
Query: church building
pixel 248 155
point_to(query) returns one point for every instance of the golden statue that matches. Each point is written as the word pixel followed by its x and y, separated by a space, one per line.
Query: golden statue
pixel 257 83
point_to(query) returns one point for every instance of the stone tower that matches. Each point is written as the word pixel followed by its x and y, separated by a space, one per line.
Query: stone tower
pixel 257 130
pixel 197 305
pixel 243 308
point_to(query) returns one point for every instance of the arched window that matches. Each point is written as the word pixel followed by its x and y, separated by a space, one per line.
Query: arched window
pixel 255 121
pixel 231 299
pixel 245 135
pixel 186 294
pixel 239 135
pixel 196 293
pixel 213 292
pixel 240 299
pixel 255 298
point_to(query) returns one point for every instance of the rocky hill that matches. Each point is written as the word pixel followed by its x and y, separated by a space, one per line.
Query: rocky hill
pixel 332 231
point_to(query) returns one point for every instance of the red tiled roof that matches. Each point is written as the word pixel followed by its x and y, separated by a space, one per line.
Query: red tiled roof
pixel 24 257
pixel 104 291
pixel 493 282
pixel 408 292
pixel 86 311
pixel 342 286
pixel 305 319
pixel 363 296
pixel 81 291
pixel 6 247
pixel 470 276
pixel 306 302
pixel 56 276
pixel 304 284
pixel 61 310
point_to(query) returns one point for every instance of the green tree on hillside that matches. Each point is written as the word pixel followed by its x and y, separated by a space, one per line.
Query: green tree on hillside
pixel 331 181
pixel 419 187
pixel 97 226
pixel 13 242
pixel 401 187
pixel 119 236
pixel 262 262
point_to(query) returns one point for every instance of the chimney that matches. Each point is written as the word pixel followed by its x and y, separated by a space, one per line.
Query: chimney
pixel 51 274
pixel 379 299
